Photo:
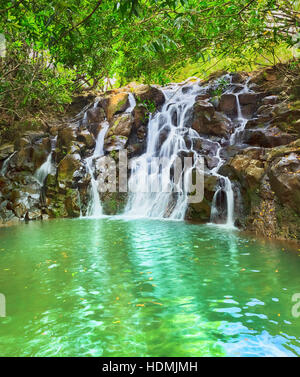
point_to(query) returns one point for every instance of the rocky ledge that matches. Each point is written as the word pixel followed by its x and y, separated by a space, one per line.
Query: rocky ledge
pixel 264 167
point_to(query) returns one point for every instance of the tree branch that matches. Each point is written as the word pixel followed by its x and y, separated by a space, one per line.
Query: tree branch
pixel 13 6
pixel 245 7
pixel 84 20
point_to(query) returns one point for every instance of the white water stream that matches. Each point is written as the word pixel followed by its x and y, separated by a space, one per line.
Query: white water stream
pixel 94 207
pixel 47 167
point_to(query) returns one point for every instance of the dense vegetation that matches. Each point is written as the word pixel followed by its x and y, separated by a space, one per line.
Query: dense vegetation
pixel 56 47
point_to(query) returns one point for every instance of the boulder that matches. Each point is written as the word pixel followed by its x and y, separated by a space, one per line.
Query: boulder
pixel 22 160
pixel 85 137
pixel 246 169
pixel 268 137
pixel 140 116
pixel 205 120
pixel 201 211
pixel 40 152
pixel 249 98
pixel 228 104
pixel 95 115
pixel 285 180
pixel 114 103
pixel 149 94
pixel 66 135
pixel 121 125
pixel 67 167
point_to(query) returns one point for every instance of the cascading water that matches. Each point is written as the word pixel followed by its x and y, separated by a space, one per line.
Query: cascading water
pixel 172 125
pixel 94 207
pixel 47 167
pixel 132 103
pixel 226 184
pixel 6 164
pixel 152 191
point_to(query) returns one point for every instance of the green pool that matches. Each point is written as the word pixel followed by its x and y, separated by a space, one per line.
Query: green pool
pixel 110 287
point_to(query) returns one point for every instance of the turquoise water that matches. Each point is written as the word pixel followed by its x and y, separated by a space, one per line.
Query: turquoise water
pixel 145 288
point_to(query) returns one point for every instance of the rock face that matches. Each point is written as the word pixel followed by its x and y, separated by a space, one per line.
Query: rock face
pixel 263 164
pixel 228 104
pixel 149 94
pixel 114 103
pixel 207 121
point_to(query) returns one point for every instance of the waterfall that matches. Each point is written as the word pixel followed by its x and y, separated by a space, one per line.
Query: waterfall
pixel 6 163
pixel 132 103
pixel 46 168
pixel 226 184
pixel 241 120
pixel 152 191
pixel 94 207
pixel 170 135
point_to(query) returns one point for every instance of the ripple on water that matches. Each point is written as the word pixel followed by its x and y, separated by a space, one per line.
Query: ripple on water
pixel 103 287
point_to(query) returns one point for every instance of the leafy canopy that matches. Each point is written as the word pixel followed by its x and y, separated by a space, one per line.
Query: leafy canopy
pixel 138 38
pixel 58 47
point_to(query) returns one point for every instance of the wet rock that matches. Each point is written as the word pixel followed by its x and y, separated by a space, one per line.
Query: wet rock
pixel 67 167
pixel 270 100
pixel 33 136
pixel 115 143
pixel 121 125
pixel 40 151
pixel 205 120
pixel 268 137
pixel 247 170
pixel 249 98
pixel 201 211
pixel 140 116
pixel 113 202
pixel 211 162
pixel 259 122
pixel 20 210
pixel 22 160
pixel 85 137
pixel 285 180
pixel 114 104
pixel 66 135
pixel 238 78
pixel 72 203
pixel 6 150
pixel 95 115
pixel 34 215
pixel 249 103
pixel 228 104
pixel 150 94
pixel 6 215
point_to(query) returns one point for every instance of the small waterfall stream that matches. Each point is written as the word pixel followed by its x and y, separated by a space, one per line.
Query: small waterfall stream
pixel 6 163
pixel 46 168
pixel 225 183
pixel 132 103
pixel 94 207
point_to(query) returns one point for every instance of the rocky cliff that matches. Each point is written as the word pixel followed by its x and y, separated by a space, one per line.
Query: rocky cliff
pixel 264 166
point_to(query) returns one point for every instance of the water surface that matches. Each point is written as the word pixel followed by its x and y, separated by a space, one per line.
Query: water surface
pixel 102 287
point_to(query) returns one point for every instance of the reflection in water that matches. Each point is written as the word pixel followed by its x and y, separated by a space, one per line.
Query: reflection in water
pixel 107 287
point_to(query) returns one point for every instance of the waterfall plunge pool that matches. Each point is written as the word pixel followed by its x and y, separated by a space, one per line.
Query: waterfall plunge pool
pixel 109 287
